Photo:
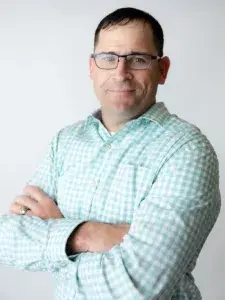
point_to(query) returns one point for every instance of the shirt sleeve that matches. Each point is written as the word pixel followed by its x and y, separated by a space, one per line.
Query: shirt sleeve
pixel 31 243
pixel 167 233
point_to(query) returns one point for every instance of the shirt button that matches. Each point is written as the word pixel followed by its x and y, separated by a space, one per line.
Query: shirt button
pixel 92 182
pixel 107 146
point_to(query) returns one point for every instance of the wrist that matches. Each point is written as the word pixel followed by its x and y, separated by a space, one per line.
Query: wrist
pixel 78 240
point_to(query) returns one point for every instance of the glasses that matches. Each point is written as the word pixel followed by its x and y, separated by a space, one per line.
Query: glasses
pixel 135 61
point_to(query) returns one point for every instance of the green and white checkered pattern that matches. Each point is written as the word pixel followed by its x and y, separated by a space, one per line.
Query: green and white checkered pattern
pixel 158 173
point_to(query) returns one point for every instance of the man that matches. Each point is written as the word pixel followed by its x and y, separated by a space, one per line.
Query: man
pixel 123 202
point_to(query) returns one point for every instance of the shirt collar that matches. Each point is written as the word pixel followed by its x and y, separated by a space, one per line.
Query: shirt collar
pixel 157 113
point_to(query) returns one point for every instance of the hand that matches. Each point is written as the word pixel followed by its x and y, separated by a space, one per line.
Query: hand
pixel 96 237
pixel 103 237
pixel 39 204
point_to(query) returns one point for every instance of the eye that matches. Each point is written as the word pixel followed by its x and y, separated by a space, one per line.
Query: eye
pixel 139 60
pixel 108 57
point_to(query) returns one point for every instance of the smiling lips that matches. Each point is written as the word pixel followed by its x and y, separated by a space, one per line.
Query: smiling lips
pixel 122 91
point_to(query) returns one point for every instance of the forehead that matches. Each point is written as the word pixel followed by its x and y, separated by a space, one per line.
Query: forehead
pixel 134 36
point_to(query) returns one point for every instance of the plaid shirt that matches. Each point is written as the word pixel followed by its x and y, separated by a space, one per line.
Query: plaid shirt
pixel 158 173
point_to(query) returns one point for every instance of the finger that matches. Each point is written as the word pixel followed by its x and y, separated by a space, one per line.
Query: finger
pixel 15 208
pixel 28 202
pixel 48 206
pixel 30 213
pixel 38 194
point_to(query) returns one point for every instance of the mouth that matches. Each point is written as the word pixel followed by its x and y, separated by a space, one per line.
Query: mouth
pixel 122 91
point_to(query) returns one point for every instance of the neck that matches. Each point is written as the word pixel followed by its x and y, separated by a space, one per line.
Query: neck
pixel 114 122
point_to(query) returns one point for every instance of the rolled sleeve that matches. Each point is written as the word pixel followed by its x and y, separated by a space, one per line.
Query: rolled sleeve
pixel 57 240
pixel 33 244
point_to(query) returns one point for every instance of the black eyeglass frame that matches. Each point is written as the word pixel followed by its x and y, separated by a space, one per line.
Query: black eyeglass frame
pixel 153 57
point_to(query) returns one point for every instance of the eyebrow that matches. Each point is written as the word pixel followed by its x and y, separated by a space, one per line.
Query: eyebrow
pixel 128 53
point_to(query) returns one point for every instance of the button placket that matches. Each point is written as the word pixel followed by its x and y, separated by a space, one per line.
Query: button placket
pixel 107 146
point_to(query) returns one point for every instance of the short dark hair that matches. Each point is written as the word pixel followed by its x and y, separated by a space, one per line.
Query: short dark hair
pixel 122 16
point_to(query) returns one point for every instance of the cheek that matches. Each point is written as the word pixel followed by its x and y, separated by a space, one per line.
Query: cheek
pixel 144 81
pixel 146 84
pixel 151 79
pixel 100 79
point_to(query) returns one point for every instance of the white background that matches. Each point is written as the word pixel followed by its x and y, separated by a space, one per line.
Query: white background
pixel 45 85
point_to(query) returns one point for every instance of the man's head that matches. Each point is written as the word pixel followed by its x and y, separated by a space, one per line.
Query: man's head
pixel 126 86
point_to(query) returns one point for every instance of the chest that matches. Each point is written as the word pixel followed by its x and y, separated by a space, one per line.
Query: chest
pixel 105 182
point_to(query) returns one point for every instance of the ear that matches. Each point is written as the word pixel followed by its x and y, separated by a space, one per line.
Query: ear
pixel 164 65
pixel 91 66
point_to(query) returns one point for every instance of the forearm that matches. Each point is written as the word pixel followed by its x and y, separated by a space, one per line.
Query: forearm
pixel 34 244
pixel 95 237
pixel 136 267
pixel 31 243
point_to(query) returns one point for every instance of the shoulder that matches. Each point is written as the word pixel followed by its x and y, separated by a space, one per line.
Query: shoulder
pixel 70 130
pixel 187 135
pixel 66 135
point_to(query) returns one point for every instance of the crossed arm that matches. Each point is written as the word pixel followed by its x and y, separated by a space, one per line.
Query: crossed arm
pixel 96 237
pixel 88 236
pixel 167 233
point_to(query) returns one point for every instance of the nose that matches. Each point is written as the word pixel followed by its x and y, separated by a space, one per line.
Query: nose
pixel 122 71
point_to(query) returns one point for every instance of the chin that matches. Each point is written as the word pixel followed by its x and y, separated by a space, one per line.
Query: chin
pixel 120 103
pixel 123 104
pixel 124 107
pixel 123 98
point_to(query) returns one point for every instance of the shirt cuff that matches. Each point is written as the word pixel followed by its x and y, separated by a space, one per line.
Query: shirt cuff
pixel 59 233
